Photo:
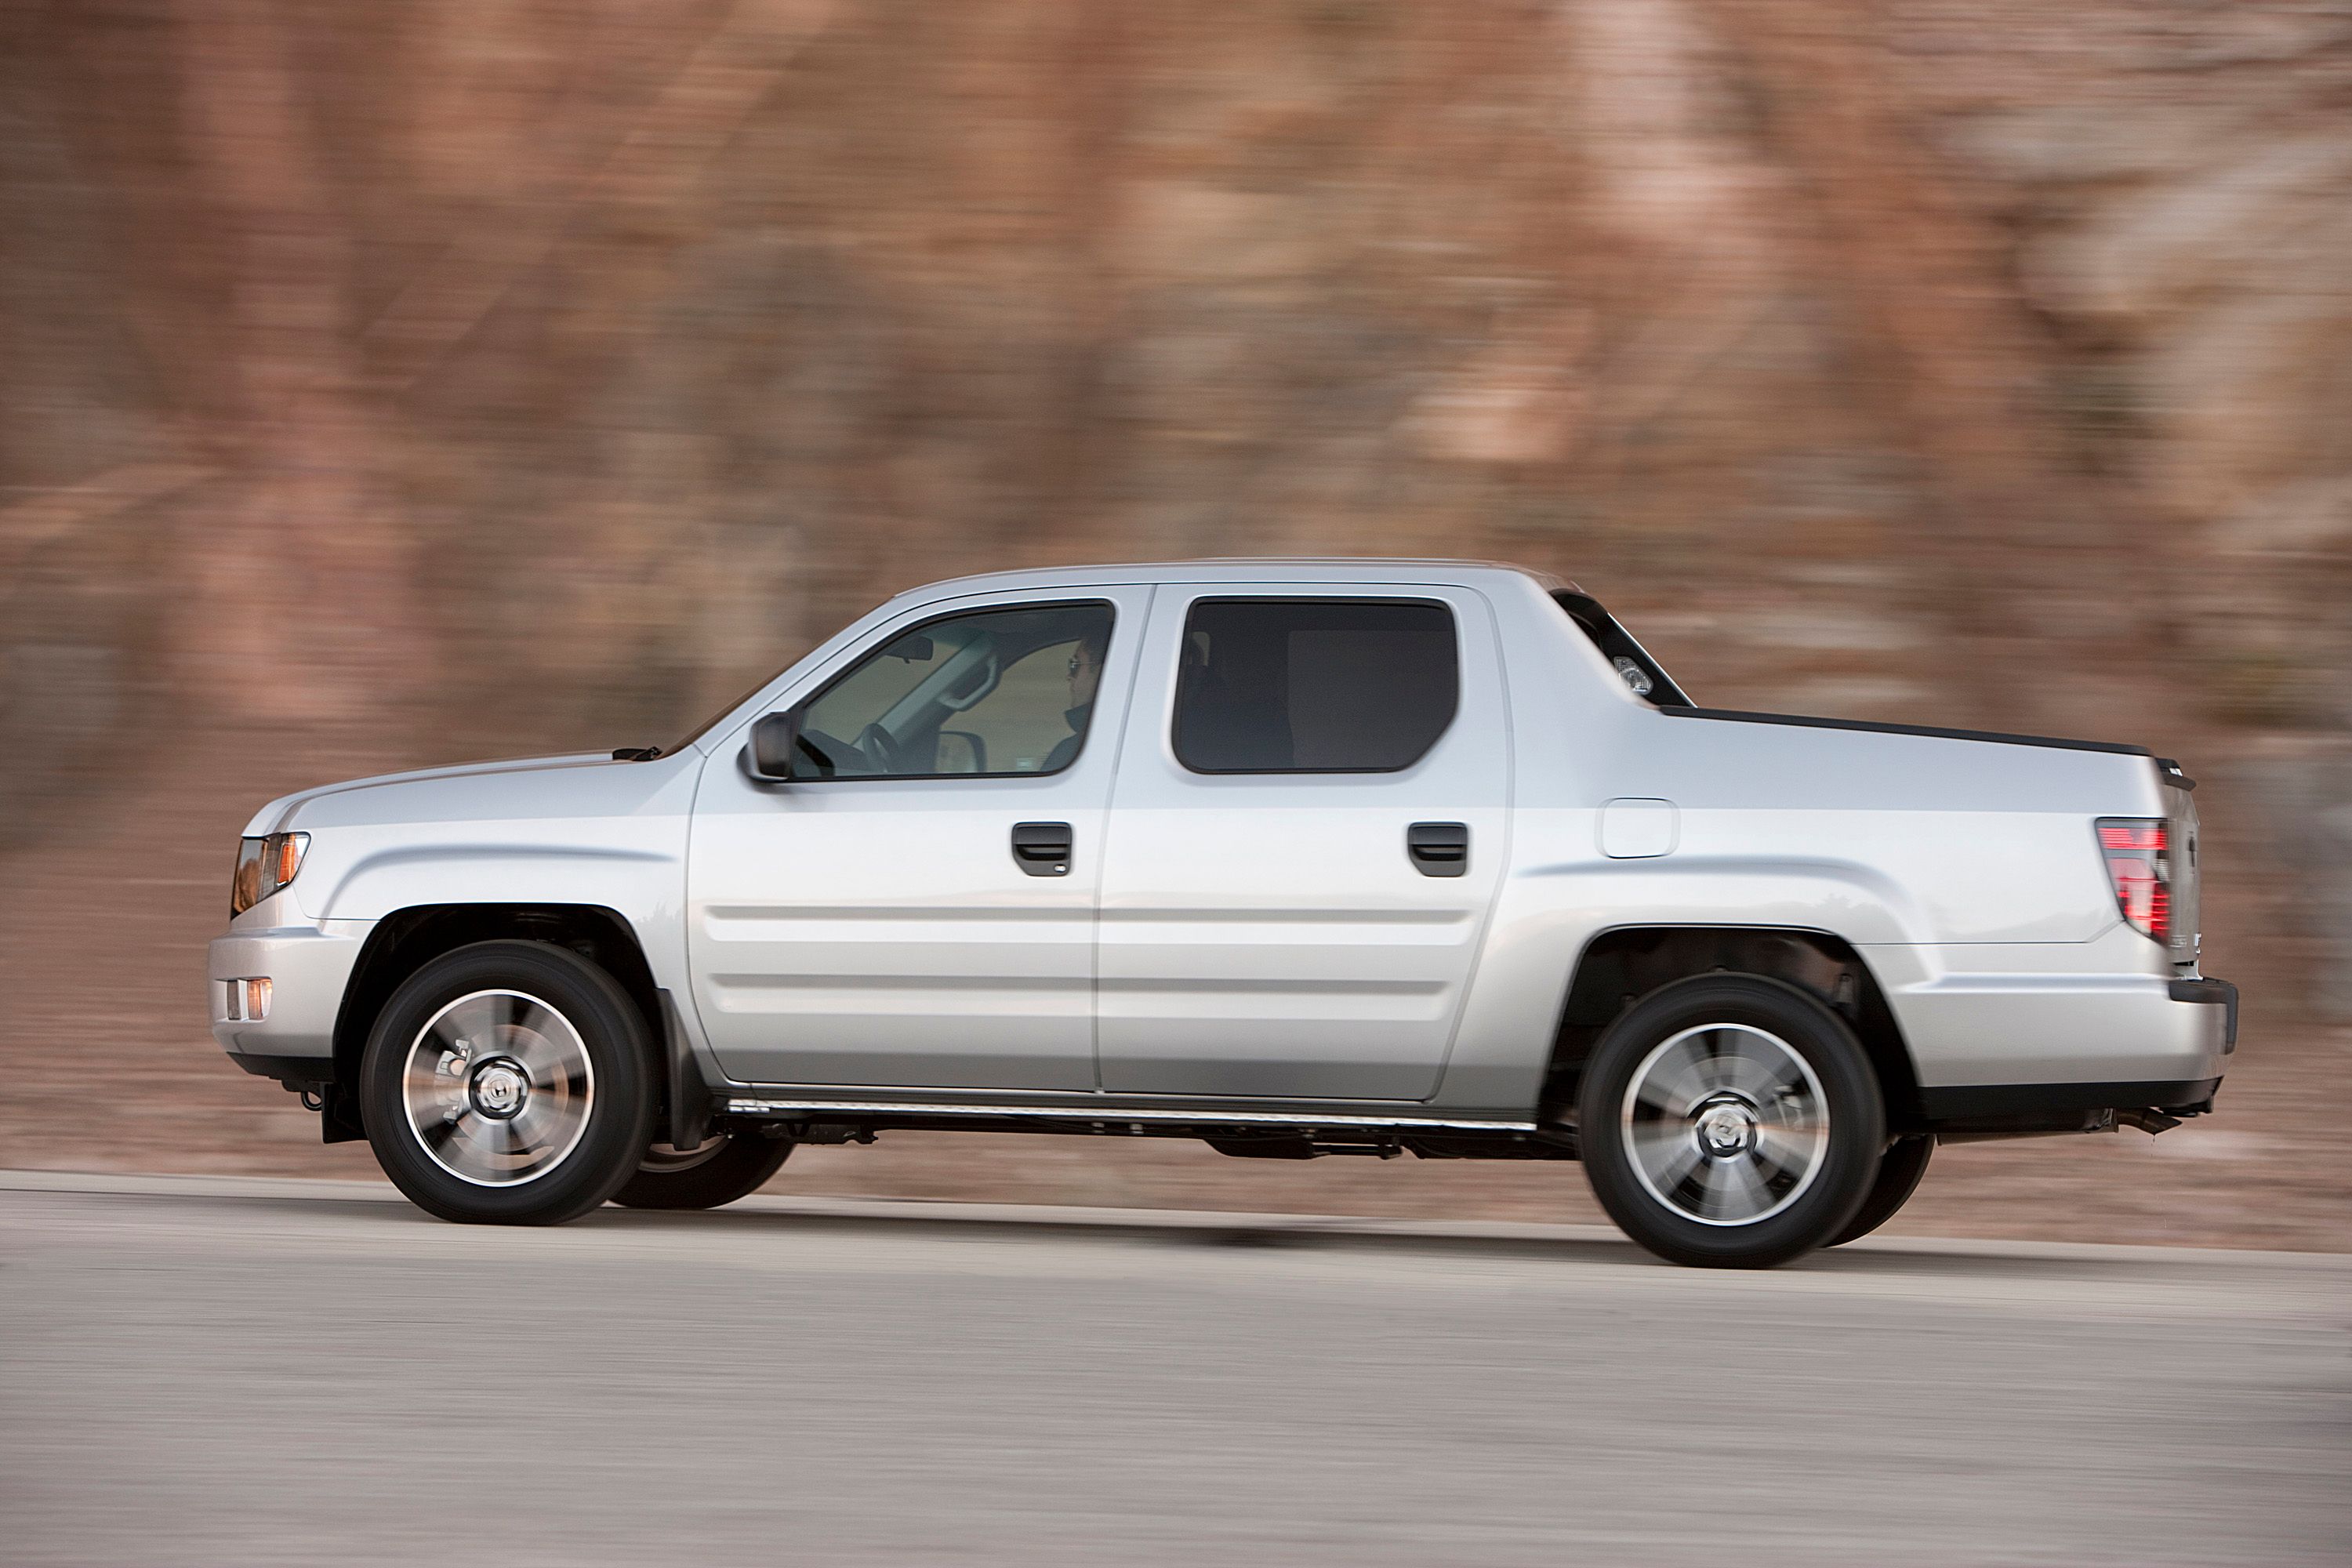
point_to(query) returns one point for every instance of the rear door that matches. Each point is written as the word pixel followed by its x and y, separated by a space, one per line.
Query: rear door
pixel 1307 836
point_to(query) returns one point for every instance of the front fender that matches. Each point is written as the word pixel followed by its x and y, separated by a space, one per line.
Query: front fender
pixel 634 867
pixel 636 879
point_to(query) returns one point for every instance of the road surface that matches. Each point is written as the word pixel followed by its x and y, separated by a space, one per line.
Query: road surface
pixel 209 1371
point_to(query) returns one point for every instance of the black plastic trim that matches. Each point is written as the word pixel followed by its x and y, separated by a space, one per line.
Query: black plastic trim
pixel 1609 635
pixel 689 1093
pixel 2053 741
pixel 1970 1101
pixel 2210 992
pixel 287 1070
pixel 1044 848
pixel 1438 848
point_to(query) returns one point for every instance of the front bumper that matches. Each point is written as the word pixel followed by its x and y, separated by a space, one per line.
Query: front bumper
pixel 307 969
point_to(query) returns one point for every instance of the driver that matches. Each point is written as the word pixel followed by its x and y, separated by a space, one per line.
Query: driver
pixel 1085 674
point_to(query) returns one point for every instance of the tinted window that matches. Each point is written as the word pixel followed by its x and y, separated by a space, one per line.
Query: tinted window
pixel 1282 686
pixel 996 691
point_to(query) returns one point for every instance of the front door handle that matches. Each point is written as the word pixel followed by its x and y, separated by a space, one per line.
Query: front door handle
pixel 1042 849
pixel 1439 849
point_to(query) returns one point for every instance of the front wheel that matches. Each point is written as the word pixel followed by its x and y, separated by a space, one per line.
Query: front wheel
pixel 1730 1121
pixel 727 1166
pixel 508 1083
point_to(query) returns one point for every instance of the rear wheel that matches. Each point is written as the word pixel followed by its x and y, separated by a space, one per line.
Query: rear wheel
pixel 727 1166
pixel 1730 1121
pixel 508 1083
pixel 1899 1170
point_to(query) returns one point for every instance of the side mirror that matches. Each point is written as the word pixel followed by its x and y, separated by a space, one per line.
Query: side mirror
pixel 774 738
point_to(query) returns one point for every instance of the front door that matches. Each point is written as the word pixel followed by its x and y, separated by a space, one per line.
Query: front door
pixel 915 907
pixel 1307 836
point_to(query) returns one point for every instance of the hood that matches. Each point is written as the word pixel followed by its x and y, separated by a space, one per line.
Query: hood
pixel 309 807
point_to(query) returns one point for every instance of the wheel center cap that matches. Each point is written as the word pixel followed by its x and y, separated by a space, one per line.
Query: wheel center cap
pixel 499 1088
pixel 1725 1129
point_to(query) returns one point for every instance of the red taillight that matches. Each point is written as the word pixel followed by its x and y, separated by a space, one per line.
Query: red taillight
pixel 2139 862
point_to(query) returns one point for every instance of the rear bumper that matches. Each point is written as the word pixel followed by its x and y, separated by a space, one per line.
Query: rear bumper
pixel 2210 993
pixel 2054 1014
pixel 2005 1045
pixel 1974 1102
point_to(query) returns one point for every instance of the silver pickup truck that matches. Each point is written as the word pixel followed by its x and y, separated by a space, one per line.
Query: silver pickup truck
pixel 1295 857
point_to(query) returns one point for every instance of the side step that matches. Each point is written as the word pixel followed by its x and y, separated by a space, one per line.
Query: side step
pixel 1247 1134
pixel 869 1110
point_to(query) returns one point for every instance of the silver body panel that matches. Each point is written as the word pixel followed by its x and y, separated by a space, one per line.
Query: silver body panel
pixel 878 931
pixel 1260 942
pixel 1266 935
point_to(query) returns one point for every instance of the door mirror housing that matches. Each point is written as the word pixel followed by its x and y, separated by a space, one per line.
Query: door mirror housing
pixel 774 738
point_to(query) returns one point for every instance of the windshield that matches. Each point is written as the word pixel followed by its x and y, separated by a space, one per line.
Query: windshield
pixel 1632 661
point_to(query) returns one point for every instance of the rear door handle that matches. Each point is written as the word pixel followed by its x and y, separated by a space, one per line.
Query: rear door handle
pixel 1439 849
pixel 1043 849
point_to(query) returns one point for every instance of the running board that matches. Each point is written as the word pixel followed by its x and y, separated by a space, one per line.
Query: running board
pixel 848 1109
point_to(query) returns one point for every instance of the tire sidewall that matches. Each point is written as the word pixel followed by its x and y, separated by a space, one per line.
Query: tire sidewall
pixel 1850 1090
pixel 736 1170
pixel 1900 1171
pixel 620 1119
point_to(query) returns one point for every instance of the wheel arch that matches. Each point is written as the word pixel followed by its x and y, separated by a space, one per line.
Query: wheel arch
pixel 405 940
pixel 1621 965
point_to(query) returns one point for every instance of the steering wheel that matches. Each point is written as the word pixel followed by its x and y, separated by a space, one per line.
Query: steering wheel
pixel 876 744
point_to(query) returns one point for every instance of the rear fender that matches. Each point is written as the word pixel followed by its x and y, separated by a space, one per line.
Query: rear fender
pixel 1547 917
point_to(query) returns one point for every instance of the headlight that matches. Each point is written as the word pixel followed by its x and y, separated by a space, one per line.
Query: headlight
pixel 264 866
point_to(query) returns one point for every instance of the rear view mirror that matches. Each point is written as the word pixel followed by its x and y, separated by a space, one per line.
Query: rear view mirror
pixel 914 649
pixel 774 738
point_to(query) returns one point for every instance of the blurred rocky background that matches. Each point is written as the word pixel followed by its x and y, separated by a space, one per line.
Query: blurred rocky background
pixel 390 385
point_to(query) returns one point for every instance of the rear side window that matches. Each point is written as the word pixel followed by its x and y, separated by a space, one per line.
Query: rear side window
pixel 1314 685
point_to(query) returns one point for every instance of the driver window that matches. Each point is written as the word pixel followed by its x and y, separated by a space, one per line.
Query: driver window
pixel 995 692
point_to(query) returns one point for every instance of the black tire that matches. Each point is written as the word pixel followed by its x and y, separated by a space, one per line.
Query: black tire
pixel 1899 1170
pixel 1760 1096
pixel 730 1167
pixel 545 1147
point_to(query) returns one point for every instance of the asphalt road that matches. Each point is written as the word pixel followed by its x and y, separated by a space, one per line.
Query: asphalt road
pixel 237 1372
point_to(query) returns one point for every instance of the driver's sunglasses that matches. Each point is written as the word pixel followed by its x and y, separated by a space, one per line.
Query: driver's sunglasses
pixel 1078 661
